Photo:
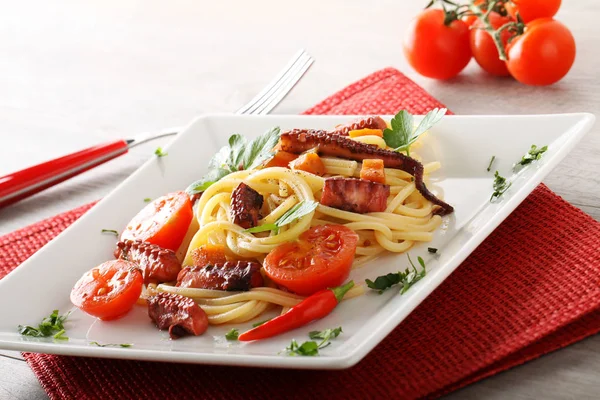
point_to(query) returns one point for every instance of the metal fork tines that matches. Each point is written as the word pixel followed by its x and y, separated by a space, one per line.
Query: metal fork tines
pixel 279 87
pixel 260 104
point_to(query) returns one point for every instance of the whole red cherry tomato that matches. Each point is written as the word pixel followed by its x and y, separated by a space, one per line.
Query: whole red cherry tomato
pixel 484 48
pixel 543 54
pixel 434 49
pixel 532 9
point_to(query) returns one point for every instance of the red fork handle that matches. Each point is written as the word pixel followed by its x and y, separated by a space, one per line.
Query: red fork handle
pixel 24 183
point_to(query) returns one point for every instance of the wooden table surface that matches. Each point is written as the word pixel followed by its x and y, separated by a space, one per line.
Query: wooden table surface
pixel 73 74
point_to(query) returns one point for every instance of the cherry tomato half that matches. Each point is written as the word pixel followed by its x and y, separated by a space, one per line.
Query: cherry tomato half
pixel 164 222
pixel 532 9
pixel 484 48
pixel 320 259
pixel 110 290
pixel 436 50
pixel 543 54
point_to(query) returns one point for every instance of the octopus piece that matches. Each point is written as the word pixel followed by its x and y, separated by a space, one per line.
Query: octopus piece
pixel 157 264
pixel 355 195
pixel 230 276
pixel 179 314
pixel 245 206
pixel 372 122
pixel 300 140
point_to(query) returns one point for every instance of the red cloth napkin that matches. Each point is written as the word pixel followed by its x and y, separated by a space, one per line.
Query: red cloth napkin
pixel 532 287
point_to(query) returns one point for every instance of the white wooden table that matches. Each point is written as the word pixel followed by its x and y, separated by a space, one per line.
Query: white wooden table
pixel 73 74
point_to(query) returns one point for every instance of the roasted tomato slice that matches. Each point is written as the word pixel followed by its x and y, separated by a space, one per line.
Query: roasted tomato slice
pixel 164 222
pixel 320 259
pixel 110 290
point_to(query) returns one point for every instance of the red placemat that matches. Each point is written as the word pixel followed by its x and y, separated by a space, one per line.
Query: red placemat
pixel 530 288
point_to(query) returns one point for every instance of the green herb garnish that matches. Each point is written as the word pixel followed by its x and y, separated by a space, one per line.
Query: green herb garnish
pixel 432 250
pixel 489 168
pixel 326 334
pixel 259 323
pixel 159 152
pixel 406 279
pixel 403 132
pixel 112 344
pixel 232 334
pixel 500 186
pixel 298 211
pixel 311 348
pixel 147 200
pixel 52 325
pixel 238 155
pixel 111 231
pixel 532 155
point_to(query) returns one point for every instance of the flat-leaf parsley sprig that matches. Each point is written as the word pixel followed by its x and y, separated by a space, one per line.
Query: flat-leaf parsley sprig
pixel 403 132
pixel 311 348
pixel 298 211
pixel 405 279
pixel 53 325
pixel 238 155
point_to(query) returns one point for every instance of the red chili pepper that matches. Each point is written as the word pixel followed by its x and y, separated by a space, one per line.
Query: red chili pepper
pixel 313 307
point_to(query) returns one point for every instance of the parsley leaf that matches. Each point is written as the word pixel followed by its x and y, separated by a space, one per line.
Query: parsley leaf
pixel 111 231
pixel 52 325
pixel 532 155
pixel 159 152
pixel 489 168
pixel 500 186
pixel 147 200
pixel 239 154
pixel 403 133
pixel 326 334
pixel 112 344
pixel 232 334
pixel 298 211
pixel 311 348
pixel 259 323
pixel 406 279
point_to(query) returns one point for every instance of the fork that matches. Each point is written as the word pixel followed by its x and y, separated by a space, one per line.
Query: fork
pixel 22 184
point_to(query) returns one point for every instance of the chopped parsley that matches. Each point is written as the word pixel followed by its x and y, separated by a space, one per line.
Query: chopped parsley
pixel 489 168
pixel 405 279
pixel 532 155
pixel 232 334
pixel 111 231
pixel 298 211
pixel 53 325
pixel 311 348
pixel 238 155
pixel 112 344
pixel 259 323
pixel 501 185
pixel 147 200
pixel 403 133
pixel 159 152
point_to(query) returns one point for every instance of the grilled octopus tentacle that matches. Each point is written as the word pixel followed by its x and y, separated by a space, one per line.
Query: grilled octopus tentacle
pixel 157 264
pixel 361 123
pixel 300 140
pixel 229 276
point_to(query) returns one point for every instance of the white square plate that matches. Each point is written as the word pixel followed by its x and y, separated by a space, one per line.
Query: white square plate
pixel 463 144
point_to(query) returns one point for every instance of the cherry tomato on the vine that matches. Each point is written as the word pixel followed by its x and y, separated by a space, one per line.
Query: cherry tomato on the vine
pixel 532 9
pixel 484 48
pixel 434 49
pixel 543 54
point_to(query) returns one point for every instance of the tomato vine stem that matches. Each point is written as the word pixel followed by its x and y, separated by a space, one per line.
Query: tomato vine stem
pixel 484 18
